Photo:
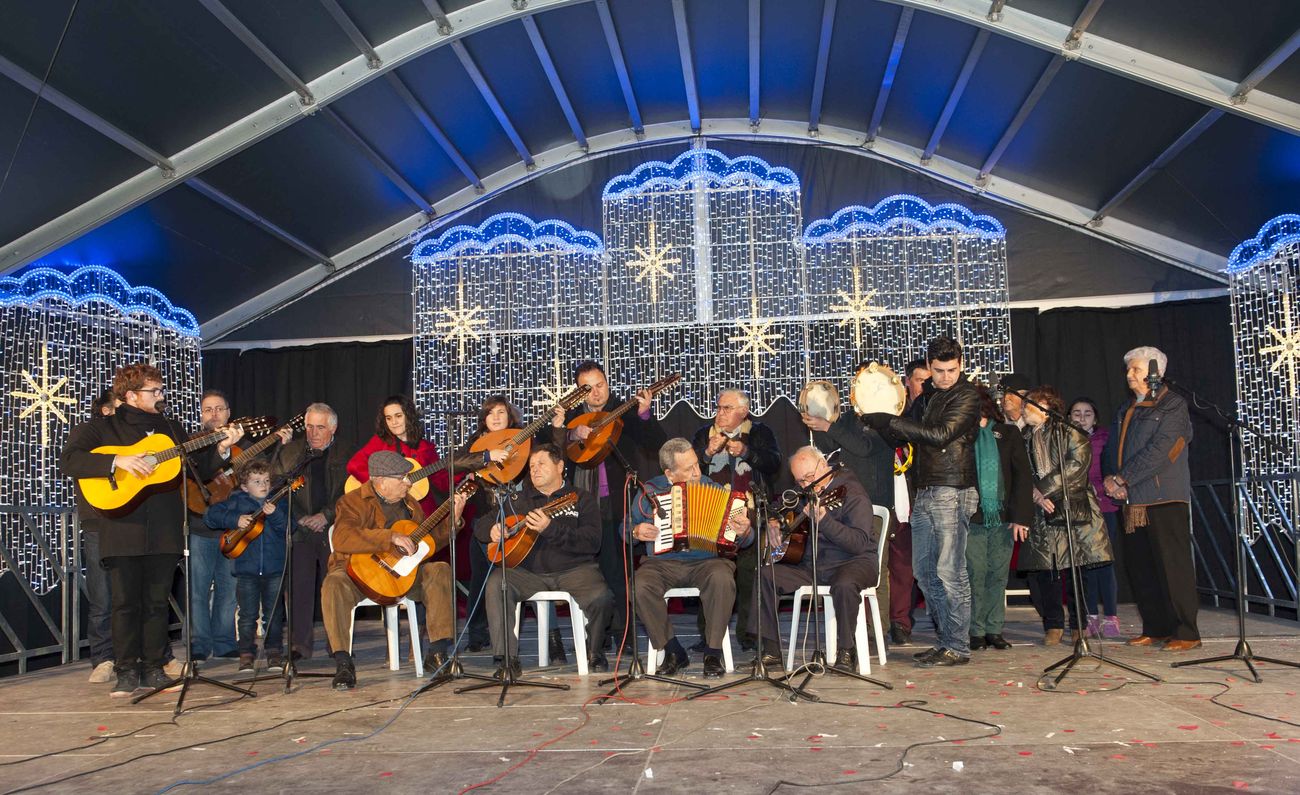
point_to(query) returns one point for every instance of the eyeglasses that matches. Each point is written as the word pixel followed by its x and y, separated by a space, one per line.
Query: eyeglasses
pixel 156 391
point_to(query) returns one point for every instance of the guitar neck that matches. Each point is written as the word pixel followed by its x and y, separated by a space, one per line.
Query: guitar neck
pixel 425 471
pixel 441 513
pixel 197 443
pixel 533 427
pixel 251 452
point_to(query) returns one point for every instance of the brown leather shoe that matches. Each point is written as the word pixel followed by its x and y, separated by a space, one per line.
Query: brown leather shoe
pixel 1052 637
pixel 1144 640
pixel 1181 645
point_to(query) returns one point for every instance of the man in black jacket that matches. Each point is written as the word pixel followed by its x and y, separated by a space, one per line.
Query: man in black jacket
pixel 563 558
pixel 946 498
pixel 141 547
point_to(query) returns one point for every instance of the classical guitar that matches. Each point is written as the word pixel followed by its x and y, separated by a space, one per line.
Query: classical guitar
pixel 235 541
pixel 518 539
pixel 518 443
pixel 223 483
pixel 606 427
pixel 418 477
pixel 119 490
pixel 795 525
pixel 386 577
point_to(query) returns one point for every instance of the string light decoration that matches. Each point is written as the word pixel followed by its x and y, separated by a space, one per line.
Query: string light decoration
pixel 64 334
pixel 706 269
pixel 1263 276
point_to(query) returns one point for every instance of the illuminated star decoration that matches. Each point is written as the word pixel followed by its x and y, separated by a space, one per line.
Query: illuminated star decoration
pixel 1287 347
pixel 857 307
pixel 551 394
pixel 43 395
pixel 461 322
pixel 652 265
pixel 975 374
pixel 757 339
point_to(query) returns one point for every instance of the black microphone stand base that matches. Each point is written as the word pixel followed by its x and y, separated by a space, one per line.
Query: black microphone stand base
pixel 809 670
pixel 454 672
pixel 759 673
pixel 507 681
pixel 191 676
pixel 1242 653
pixel 636 672
pixel 1082 651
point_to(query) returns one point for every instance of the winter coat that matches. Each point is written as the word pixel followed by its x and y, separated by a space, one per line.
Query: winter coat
pixel 1047 546
pixel 264 554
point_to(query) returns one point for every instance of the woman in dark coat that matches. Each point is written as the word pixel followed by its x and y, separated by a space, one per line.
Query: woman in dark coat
pixel 1045 553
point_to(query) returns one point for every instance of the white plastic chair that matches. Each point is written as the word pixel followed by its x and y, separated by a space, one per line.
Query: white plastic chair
pixel 544 603
pixel 652 654
pixel 391 620
pixel 861 638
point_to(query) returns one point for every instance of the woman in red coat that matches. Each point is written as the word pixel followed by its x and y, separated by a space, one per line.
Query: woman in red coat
pixel 398 428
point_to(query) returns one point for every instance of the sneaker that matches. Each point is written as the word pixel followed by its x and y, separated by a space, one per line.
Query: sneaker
pixel 1110 627
pixel 558 654
pixel 945 658
pixel 274 663
pixel 102 674
pixel 174 668
pixel 1094 626
pixel 345 675
pixel 154 678
pixel 245 663
pixel 921 655
pixel 128 681
pixel 899 635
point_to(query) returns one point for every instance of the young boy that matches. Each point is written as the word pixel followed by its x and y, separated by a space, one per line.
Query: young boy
pixel 259 570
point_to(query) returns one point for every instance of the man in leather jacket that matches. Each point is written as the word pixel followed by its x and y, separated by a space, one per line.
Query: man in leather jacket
pixel 946 497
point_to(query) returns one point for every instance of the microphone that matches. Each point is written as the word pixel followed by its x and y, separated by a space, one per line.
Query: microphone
pixel 161 407
pixel 654 502
pixel 1153 379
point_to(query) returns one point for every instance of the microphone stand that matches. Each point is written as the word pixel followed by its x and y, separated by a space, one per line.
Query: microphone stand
pixel 1081 649
pixel 190 674
pixel 635 670
pixel 1236 426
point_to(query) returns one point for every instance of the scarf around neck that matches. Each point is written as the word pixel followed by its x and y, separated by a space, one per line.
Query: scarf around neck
pixel 988 465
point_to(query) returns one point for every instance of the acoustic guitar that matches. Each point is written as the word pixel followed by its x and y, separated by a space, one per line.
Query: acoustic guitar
pixel 235 541
pixel 518 539
pixel 418 477
pixel 518 443
pixel 223 483
pixel 386 577
pixel 118 492
pixel 795 525
pixel 606 427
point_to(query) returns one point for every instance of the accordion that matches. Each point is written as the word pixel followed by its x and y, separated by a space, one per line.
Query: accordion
pixel 697 516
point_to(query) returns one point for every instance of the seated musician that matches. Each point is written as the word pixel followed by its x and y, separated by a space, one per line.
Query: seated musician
pixel 714 576
pixel 362 519
pixel 846 555
pixel 563 558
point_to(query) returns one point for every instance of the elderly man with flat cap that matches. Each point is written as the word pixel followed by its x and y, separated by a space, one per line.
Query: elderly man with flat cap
pixel 362 523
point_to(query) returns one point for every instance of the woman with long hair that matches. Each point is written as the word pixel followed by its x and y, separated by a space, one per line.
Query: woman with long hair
pixel 1099 581
pixel 398 428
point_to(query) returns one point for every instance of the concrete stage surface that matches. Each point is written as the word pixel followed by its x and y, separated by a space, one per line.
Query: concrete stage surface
pixel 1141 737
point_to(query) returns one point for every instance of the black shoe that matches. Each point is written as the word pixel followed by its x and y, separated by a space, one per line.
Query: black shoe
pixel 295 655
pixel 713 668
pixel 977 642
pixel 899 635
pixel 673 664
pixel 154 678
pixel 128 681
pixel 246 664
pixel 511 669
pixel 598 662
pixel 748 642
pixel 274 663
pixel 921 655
pixel 699 648
pixel 944 658
pixel 229 655
pixel 477 644
pixel 997 641
pixel 345 677
pixel 847 660
pixel 558 654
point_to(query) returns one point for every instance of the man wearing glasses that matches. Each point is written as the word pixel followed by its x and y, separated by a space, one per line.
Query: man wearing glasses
pixel 140 548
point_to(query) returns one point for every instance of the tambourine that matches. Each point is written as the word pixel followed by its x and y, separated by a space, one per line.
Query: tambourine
pixel 877 389
pixel 820 399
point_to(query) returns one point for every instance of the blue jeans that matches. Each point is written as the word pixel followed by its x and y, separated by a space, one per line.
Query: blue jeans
pixel 940 523
pixel 259 595
pixel 212 598
pixel 99 618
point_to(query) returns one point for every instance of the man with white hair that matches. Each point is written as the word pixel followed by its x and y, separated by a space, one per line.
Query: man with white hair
pixel 1146 469
pixel 847 549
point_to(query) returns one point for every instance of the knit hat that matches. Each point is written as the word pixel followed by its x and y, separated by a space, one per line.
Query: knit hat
pixel 1015 382
pixel 387 464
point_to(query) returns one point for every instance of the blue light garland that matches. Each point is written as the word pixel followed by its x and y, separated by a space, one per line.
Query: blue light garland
pixel 701 165
pixel 902 210
pixel 1280 231
pixel 95 283
pixel 504 230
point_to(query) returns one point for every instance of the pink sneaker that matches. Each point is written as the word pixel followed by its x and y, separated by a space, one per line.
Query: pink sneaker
pixel 1110 627
pixel 1094 626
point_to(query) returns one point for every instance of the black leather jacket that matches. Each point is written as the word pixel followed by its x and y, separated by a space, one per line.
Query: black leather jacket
pixel 944 439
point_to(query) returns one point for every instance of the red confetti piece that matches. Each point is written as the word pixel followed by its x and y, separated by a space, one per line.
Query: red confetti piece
pixel 814 748
pixel 1191 727
pixel 1068 731
pixel 386 774
pixel 645 734
pixel 1273 736
pixel 253 753
pixel 1240 785
pixel 1238 742
pixel 849 772
pixel 753 737
pixel 995 712
pixel 101 728
pixel 1026 753
pixel 1268 747
pixel 1118 756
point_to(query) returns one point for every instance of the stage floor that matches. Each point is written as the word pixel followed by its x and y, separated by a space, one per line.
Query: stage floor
pixel 1165 737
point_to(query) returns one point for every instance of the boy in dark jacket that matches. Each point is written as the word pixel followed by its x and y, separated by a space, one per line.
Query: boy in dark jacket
pixel 259 569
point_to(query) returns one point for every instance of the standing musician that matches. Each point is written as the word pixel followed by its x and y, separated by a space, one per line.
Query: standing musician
pixel 739 451
pixel 714 576
pixel 847 546
pixel 212 580
pixel 398 428
pixel 563 558
pixel 361 526
pixel 313 513
pixel 641 438
pixel 141 547
pixel 98 618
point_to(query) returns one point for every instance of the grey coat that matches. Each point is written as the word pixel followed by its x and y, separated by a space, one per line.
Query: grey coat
pixel 1047 546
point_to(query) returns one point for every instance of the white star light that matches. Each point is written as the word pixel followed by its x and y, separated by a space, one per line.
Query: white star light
pixel 551 394
pixel 652 265
pixel 43 396
pixel 755 336
pixel 1287 347
pixel 461 322
pixel 857 308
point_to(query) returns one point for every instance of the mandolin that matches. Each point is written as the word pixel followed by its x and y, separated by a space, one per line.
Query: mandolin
pixel 606 427
pixel 119 491
pixel 235 541
pixel 518 443
pixel 795 525
pixel 223 483
pixel 386 577
pixel 518 539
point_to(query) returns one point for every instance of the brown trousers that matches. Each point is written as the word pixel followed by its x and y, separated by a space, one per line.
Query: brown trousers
pixel 339 595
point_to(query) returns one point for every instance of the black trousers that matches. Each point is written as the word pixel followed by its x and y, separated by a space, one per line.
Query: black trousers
pixel 478 574
pixel 584 583
pixel 310 564
pixel 139 586
pixel 846 581
pixel 1161 573
pixel 1045 592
